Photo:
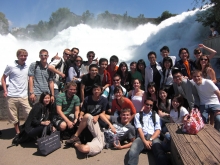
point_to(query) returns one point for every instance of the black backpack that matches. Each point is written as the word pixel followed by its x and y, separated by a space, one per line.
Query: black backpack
pixel 153 116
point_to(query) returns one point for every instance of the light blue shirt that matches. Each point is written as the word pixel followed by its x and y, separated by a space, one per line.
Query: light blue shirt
pixel 148 127
pixel 18 79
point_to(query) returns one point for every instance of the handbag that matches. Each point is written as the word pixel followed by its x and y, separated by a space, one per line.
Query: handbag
pixel 48 143
pixel 193 122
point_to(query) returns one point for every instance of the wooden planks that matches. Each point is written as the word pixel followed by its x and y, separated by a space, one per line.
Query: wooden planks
pixel 203 148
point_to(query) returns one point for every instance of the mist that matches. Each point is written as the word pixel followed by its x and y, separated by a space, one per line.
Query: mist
pixel 129 45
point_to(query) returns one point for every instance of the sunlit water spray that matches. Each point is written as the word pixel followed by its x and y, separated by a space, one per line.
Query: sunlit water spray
pixel 176 32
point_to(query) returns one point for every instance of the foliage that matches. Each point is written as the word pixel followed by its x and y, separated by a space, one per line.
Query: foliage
pixel 4 25
pixel 165 15
pixel 212 15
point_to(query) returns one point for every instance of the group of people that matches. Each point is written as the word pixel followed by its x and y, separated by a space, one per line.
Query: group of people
pixel 112 105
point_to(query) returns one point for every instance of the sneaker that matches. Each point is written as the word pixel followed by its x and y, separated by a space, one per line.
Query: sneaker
pixel 72 140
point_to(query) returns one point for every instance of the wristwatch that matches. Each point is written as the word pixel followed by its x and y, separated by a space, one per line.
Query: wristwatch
pixel 151 139
pixel 30 93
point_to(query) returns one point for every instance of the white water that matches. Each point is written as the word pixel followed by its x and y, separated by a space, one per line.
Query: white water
pixel 176 32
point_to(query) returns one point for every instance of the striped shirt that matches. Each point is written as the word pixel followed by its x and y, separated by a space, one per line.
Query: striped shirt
pixel 67 104
pixel 42 77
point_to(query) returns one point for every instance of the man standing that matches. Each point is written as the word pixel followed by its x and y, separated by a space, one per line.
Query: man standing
pixel 40 78
pixel 185 88
pixel 148 128
pixel 209 95
pixel 58 66
pixel 165 52
pixel 67 105
pixel 153 73
pixel 93 107
pixel 17 91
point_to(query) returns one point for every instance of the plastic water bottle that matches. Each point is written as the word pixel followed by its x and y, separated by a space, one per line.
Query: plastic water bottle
pixel 115 139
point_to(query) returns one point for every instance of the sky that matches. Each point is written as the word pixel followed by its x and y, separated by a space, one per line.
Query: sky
pixel 20 13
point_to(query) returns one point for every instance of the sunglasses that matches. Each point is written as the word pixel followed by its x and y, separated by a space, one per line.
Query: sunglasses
pixel 91 56
pixel 78 60
pixel 198 52
pixel 150 105
pixel 203 59
pixel 116 80
pixel 67 54
pixel 43 55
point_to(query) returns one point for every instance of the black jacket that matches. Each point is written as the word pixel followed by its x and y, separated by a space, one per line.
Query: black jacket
pixel 179 64
pixel 36 115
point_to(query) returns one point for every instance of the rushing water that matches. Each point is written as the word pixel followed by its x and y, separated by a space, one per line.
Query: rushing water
pixel 176 32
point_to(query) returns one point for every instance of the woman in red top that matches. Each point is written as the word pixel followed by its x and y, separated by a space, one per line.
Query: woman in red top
pixel 121 102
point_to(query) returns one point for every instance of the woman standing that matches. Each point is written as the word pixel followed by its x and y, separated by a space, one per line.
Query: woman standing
pixel 39 117
pixel 141 65
pixel 137 95
pixel 125 76
pixel 205 66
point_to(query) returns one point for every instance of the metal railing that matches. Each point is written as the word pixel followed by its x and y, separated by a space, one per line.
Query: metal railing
pixel 213 43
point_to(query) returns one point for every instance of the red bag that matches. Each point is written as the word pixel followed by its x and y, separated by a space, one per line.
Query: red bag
pixel 193 122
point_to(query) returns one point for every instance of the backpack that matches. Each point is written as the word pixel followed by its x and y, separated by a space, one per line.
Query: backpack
pixel 153 116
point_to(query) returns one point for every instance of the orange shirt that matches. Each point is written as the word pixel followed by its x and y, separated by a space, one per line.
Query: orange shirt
pixel 112 72
pixel 127 104
pixel 186 63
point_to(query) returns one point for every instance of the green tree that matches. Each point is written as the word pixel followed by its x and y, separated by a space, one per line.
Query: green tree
pixel 165 15
pixel 87 17
pixel 4 25
pixel 211 15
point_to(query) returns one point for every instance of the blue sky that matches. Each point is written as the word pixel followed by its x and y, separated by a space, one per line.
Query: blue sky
pixel 24 12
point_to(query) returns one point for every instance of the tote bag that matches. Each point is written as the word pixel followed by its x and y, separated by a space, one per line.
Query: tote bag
pixel 193 122
pixel 48 143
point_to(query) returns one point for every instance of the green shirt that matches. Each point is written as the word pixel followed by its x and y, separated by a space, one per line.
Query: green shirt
pixel 68 104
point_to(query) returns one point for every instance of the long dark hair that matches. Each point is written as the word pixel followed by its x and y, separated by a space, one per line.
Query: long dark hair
pixel 180 100
pixel 159 99
pixel 120 72
pixel 141 61
pixel 204 72
pixel 42 96
pixel 152 84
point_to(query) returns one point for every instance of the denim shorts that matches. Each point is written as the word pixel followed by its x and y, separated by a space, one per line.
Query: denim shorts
pixel 209 108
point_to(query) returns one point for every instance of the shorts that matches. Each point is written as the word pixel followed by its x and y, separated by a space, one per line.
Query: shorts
pixel 57 120
pixel 98 142
pixel 14 103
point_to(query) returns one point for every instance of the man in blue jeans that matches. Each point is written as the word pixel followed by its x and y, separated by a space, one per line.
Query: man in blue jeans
pixel 209 95
pixel 148 127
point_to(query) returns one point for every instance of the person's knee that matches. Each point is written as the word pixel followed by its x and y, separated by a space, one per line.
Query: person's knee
pixel 83 148
pixel 63 126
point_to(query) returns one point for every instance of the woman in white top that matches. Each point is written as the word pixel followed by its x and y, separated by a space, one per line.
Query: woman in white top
pixel 137 95
pixel 178 112
pixel 167 75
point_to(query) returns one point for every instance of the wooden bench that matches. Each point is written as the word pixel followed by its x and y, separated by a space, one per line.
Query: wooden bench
pixel 200 149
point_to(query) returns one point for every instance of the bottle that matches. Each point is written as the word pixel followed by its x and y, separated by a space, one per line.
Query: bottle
pixel 115 136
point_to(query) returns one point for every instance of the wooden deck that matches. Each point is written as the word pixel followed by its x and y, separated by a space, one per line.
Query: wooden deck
pixel 200 149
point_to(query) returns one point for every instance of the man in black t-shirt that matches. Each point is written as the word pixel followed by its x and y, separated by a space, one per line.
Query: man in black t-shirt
pixel 92 107
pixel 120 126
pixel 88 80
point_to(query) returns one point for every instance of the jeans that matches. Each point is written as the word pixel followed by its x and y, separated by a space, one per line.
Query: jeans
pixel 206 109
pixel 138 145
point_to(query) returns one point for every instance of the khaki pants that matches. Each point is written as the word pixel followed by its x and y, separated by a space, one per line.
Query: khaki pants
pixel 13 104
pixel 98 142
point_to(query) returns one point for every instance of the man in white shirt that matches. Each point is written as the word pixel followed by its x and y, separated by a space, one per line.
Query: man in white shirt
pixel 209 95
pixel 17 91
pixel 148 128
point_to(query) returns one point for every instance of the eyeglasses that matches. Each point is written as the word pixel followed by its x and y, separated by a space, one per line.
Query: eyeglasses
pixel 203 59
pixel 91 56
pixel 67 54
pixel 150 105
pixel 44 55
pixel 116 80
pixel 176 77
pixel 78 60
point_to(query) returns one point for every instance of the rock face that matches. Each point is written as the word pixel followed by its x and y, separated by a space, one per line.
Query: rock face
pixel 3 108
